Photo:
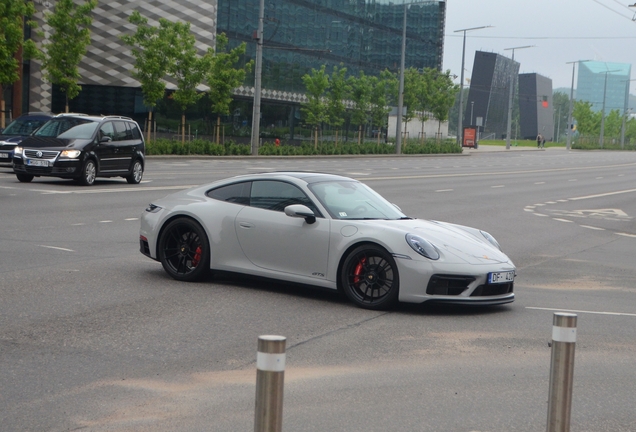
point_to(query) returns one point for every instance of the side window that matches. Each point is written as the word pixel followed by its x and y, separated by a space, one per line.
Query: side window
pixel 134 131
pixel 108 130
pixel 238 193
pixel 276 195
pixel 120 131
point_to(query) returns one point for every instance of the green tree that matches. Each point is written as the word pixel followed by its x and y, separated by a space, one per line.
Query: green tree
pixel 70 35
pixel 150 47
pixel 361 89
pixel 613 124
pixel 412 95
pixel 443 95
pixel 186 67
pixel 315 109
pixel 561 106
pixel 12 15
pixel 336 95
pixel 588 122
pixel 223 76
pixel 384 90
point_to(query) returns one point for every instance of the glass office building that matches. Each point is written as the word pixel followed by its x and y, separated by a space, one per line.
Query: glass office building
pixel 362 35
pixel 592 85
pixel 299 35
pixel 489 93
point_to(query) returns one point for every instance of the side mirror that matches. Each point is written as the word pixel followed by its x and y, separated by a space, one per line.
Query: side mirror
pixel 300 211
pixel 105 139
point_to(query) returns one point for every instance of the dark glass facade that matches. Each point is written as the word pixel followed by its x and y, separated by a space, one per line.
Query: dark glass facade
pixel 490 92
pixel 360 34
pixel 536 113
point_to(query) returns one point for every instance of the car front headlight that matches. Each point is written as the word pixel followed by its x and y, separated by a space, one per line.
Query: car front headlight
pixel 153 208
pixel 17 151
pixel 71 154
pixel 422 247
pixel 490 239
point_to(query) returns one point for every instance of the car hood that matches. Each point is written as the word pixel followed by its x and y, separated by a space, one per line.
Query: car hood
pixel 457 241
pixel 12 139
pixel 51 143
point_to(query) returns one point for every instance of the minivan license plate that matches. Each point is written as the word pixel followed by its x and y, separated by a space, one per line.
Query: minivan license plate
pixel 501 277
pixel 39 163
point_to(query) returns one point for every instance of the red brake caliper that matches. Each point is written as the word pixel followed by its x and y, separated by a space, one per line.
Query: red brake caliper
pixel 358 271
pixel 197 256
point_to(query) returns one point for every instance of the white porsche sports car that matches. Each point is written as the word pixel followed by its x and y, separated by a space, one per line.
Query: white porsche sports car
pixel 324 230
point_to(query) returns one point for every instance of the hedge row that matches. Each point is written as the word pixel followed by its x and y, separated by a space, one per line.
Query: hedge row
pixel 204 147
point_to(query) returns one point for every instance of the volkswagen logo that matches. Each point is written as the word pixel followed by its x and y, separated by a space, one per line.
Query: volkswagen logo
pixel 39 154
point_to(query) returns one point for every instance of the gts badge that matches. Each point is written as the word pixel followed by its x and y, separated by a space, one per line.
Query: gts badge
pixel 318 274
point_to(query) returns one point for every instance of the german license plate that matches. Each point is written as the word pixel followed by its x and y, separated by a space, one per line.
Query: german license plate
pixel 38 163
pixel 501 277
pixel 4 155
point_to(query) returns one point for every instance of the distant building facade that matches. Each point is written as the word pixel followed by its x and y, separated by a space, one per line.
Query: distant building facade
pixel 536 113
pixel 489 93
pixel 299 35
pixel 592 85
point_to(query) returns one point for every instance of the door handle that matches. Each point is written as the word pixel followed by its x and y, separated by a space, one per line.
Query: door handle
pixel 246 225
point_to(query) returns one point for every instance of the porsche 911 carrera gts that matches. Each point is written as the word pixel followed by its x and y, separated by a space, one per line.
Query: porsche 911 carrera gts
pixel 324 230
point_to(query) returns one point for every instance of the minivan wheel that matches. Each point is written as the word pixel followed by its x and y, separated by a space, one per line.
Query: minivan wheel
pixel 88 173
pixel 136 174
pixel 24 178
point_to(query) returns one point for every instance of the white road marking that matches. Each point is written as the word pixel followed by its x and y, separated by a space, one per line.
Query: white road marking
pixel 539 205
pixel 583 311
pixel 626 234
pixel 131 219
pixel 539 214
pixel 528 209
pixel 550 202
pixel 562 220
pixel 603 195
pixel 105 221
pixel 498 186
pixel 96 191
pixel 573 180
pixel 444 190
pixel 537 183
pixel 57 248
pixel 592 227
pixel 78 224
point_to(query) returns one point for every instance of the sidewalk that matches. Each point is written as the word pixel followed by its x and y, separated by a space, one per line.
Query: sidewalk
pixel 502 148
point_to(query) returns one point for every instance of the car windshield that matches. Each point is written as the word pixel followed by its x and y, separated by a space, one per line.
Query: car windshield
pixel 22 126
pixel 66 127
pixel 354 200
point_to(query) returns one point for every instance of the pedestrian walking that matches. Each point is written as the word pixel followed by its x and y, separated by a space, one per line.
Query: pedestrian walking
pixel 539 138
pixel 542 141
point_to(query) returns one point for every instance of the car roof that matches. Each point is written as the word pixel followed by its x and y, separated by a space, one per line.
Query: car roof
pixel 36 115
pixel 306 176
pixel 94 117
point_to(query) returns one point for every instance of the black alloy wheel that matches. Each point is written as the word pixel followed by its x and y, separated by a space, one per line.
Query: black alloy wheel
pixel 184 250
pixel 24 178
pixel 136 174
pixel 88 173
pixel 369 278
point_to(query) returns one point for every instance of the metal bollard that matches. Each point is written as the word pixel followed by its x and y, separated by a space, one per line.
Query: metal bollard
pixel 561 372
pixel 270 365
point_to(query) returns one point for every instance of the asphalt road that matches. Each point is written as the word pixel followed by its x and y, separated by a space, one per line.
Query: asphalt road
pixel 94 336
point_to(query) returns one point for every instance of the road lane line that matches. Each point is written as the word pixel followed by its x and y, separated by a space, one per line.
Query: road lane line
pixel 444 190
pixel 57 248
pixel 562 220
pixel 583 311
pixel 592 227
pixel 602 195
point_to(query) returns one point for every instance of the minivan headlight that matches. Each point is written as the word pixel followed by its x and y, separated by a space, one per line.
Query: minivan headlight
pixel 71 154
pixel 17 151
pixel 422 247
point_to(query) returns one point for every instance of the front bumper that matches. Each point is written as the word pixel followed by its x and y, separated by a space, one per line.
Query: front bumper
pixel 54 168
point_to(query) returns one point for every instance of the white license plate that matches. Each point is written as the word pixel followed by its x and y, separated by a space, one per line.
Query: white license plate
pixel 4 155
pixel 501 277
pixel 40 163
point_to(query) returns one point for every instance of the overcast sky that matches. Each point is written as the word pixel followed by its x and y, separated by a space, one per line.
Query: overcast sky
pixel 560 30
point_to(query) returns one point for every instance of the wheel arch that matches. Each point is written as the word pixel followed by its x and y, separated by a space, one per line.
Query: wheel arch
pixel 180 216
pixel 346 253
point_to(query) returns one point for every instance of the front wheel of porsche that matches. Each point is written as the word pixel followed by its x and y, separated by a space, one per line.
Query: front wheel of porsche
pixel 369 278
pixel 184 250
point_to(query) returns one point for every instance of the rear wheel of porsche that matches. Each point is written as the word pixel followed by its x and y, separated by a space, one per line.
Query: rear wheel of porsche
pixel 184 250
pixel 369 278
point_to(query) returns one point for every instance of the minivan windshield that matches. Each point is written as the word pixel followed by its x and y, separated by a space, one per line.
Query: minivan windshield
pixel 23 126
pixel 69 127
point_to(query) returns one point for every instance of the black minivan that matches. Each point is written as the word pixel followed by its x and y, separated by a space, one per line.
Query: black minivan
pixel 82 147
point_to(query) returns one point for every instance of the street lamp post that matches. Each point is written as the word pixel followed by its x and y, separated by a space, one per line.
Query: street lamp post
pixel 512 84
pixel 600 140
pixel 460 126
pixel 569 137
pixel 625 110
pixel 256 110
pixel 472 105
